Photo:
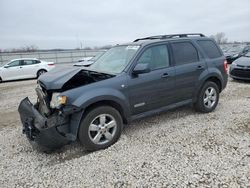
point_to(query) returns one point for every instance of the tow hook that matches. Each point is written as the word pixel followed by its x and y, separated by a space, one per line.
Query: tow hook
pixel 29 130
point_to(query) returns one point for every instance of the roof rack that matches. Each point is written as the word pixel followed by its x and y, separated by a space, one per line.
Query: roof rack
pixel 170 36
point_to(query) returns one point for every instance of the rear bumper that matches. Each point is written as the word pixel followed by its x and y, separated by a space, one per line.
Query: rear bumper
pixel 42 132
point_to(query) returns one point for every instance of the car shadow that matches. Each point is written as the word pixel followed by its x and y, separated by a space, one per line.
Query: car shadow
pixel 19 80
pixel 75 150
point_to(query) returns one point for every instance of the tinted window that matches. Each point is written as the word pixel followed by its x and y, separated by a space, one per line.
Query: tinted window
pixel 27 62
pixel 184 52
pixel 36 61
pixel 14 63
pixel 156 57
pixel 210 48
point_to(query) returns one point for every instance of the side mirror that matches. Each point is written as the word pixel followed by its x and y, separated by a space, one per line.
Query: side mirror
pixel 141 68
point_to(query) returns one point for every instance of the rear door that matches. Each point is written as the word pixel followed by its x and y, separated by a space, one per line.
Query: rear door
pixel 189 66
pixel 29 68
pixel 155 89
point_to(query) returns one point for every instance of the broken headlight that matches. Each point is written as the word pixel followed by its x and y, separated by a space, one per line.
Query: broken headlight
pixel 57 100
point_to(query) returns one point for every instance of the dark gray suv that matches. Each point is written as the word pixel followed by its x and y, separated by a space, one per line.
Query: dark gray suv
pixel 130 81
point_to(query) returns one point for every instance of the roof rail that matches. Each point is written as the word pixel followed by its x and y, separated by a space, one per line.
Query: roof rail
pixel 170 36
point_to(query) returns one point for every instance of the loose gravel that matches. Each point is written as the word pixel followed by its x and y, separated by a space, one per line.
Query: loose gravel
pixel 179 148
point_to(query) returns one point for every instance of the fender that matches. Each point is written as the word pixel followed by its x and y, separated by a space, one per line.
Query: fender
pixel 88 98
pixel 101 94
pixel 214 73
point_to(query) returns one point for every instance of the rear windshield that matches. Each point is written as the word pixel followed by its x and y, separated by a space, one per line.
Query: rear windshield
pixel 210 48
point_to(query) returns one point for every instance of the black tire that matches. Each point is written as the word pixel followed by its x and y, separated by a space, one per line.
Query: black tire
pixel 200 104
pixel 86 136
pixel 40 72
pixel 1 80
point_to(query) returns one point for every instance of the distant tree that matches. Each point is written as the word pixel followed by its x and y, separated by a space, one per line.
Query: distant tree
pixel 106 47
pixel 31 48
pixel 220 38
pixel 87 48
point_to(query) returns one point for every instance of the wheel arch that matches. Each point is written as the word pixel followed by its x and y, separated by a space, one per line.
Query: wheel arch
pixel 212 78
pixel 77 118
pixel 215 80
pixel 111 103
pixel 40 70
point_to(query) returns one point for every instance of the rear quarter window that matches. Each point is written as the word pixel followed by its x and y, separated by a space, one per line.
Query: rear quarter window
pixel 210 48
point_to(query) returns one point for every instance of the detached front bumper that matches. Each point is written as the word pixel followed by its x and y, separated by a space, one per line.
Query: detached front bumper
pixel 42 132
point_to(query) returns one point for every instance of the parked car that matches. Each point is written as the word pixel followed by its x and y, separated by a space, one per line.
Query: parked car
pixel 233 53
pixel 85 58
pixel 240 68
pixel 24 68
pixel 88 62
pixel 128 82
pixel 245 50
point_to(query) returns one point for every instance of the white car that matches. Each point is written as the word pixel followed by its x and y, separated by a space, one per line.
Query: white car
pixel 24 68
pixel 87 61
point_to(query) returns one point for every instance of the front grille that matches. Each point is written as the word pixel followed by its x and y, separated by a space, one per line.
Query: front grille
pixel 248 67
pixel 244 73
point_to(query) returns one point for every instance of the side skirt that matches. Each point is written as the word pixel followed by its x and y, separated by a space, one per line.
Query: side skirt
pixel 160 110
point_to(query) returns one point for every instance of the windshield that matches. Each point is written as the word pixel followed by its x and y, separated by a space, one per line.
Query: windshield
pixel 247 54
pixel 96 57
pixel 115 59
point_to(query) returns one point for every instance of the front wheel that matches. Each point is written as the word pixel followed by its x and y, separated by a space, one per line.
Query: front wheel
pixel 208 97
pixel 100 128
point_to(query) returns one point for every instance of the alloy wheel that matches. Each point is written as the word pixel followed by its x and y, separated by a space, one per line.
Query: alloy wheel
pixel 210 97
pixel 102 129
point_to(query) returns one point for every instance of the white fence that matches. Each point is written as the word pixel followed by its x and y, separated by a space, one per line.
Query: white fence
pixel 67 56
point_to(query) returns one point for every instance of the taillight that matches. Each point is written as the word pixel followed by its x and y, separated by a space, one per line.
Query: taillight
pixel 51 64
pixel 225 65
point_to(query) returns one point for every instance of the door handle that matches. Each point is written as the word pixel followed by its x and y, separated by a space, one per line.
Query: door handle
pixel 20 67
pixel 200 67
pixel 165 75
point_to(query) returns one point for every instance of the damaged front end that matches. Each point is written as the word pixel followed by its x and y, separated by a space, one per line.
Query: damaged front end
pixel 45 132
pixel 52 121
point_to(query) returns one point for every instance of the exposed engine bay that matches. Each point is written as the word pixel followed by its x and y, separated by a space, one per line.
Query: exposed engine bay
pixel 85 77
pixel 46 96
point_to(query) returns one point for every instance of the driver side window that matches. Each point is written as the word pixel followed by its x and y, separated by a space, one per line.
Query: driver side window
pixel 156 57
pixel 14 63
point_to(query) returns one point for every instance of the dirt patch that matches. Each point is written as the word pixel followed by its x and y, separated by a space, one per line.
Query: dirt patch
pixel 9 119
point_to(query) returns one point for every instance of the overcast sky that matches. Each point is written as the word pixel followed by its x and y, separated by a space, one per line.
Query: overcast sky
pixel 68 23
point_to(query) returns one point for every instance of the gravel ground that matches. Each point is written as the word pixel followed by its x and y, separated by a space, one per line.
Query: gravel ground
pixel 180 148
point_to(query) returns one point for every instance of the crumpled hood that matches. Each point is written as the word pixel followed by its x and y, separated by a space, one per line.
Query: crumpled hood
pixel 243 61
pixel 57 77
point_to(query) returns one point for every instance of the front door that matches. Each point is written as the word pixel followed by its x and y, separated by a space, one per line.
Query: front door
pixel 155 89
pixel 12 70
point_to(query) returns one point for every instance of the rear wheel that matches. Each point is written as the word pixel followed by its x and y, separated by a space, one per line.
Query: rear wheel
pixel 40 72
pixel 1 80
pixel 100 128
pixel 208 97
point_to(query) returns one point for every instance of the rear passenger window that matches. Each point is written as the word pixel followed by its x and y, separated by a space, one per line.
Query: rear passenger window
pixel 210 48
pixel 36 61
pixel 27 62
pixel 184 53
